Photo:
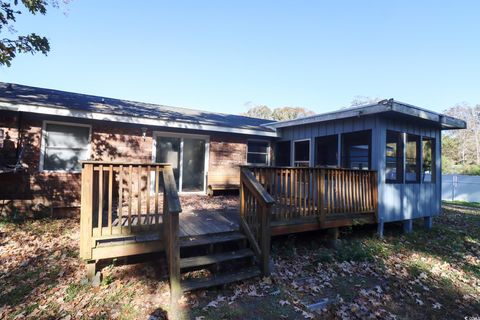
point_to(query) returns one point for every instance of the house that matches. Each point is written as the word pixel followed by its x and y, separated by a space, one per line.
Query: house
pixel 54 130
pixel 373 164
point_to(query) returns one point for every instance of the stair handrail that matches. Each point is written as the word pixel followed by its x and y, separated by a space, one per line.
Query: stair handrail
pixel 171 230
pixel 259 240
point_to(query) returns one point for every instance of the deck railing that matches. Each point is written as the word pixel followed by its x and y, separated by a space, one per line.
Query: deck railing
pixel 119 200
pixel 317 192
pixel 125 200
pixel 255 213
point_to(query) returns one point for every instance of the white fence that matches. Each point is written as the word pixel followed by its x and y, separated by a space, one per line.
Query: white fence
pixel 460 187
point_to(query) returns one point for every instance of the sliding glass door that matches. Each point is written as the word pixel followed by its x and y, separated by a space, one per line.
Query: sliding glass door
pixel 193 167
pixel 187 156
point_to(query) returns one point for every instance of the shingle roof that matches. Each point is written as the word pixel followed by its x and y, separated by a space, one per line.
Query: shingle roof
pixel 15 94
pixel 389 106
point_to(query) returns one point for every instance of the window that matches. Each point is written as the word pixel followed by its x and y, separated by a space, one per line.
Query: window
pixel 428 159
pixel 283 153
pixel 412 158
pixel 301 157
pixel 326 151
pixel 394 157
pixel 64 146
pixel 356 150
pixel 257 152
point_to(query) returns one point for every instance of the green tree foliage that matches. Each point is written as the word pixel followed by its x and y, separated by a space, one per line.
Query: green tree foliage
pixel 461 148
pixel 278 114
pixel 29 43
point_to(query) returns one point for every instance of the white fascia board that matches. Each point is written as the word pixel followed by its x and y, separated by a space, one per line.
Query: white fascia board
pixel 134 120
pixel 334 115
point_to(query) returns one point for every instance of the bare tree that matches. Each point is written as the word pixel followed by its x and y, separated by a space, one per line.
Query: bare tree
pixel 279 114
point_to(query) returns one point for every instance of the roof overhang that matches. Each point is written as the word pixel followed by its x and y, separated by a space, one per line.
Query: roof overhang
pixel 443 121
pixel 63 112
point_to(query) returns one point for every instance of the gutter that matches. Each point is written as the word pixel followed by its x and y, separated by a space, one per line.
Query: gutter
pixel 134 120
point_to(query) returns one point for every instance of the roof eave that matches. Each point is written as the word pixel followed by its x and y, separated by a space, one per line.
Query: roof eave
pixel 74 113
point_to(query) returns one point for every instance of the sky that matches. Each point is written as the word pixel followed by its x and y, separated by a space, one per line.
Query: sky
pixel 226 56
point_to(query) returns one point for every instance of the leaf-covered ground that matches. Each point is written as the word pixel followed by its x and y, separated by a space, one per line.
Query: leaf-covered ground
pixel 427 274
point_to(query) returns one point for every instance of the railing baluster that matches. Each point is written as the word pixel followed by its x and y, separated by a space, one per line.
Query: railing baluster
pixel 157 183
pixel 110 198
pixel 147 190
pixel 130 189
pixel 120 199
pixel 100 198
pixel 139 196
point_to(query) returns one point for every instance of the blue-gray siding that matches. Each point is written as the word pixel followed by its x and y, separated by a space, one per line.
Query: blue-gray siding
pixel 399 201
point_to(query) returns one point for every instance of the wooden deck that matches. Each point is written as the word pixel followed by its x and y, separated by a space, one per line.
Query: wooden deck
pixel 130 209
pixel 191 223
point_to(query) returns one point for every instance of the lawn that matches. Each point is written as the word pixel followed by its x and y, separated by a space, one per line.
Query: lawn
pixel 427 274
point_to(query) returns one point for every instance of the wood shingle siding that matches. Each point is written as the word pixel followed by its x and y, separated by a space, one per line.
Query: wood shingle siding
pixel 35 191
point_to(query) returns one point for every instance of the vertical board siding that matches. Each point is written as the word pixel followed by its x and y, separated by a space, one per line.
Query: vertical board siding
pixel 396 201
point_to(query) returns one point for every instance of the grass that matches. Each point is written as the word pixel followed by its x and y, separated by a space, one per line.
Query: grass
pixel 463 203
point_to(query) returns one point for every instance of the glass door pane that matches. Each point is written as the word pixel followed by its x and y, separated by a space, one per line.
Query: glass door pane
pixel 168 151
pixel 193 169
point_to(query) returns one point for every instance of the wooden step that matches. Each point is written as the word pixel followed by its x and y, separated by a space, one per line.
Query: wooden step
pixel 210 239
pixel 214 258
pixel 239 275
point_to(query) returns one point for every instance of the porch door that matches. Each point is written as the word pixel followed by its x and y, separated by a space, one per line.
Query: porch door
pixel 187 156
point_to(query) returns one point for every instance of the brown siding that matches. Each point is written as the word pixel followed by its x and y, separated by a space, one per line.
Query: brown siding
pixel 33 191
pixel 226 154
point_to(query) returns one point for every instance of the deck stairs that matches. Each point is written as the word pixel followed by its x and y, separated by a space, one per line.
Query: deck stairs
pixel 215 259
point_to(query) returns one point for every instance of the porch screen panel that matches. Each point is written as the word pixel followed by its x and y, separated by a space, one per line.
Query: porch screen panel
pixel 326 151
pixel 428 159
pixel 282 154
pixel 168 151
pixel 193 165
pixel 356 150
pixel 412 158
pixel 65 146
pixel 302 153
pixel 394 157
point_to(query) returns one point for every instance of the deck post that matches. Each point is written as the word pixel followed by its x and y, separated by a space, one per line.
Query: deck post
pixel 266 239
pixel 427 222
pixel 332 237
pixel 408 226
pixel 380 228
pixel 91 269
pixel 171 210
pixel 86 211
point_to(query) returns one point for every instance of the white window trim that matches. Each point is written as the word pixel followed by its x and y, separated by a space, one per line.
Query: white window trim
pixel 157 134
pixel 309 151
pixel 268 153
pixel 43 144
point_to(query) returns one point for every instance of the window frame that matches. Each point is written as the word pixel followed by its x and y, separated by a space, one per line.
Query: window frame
pixel 400 157
pixel 294 162
pixel 43 142
pixel 268 153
